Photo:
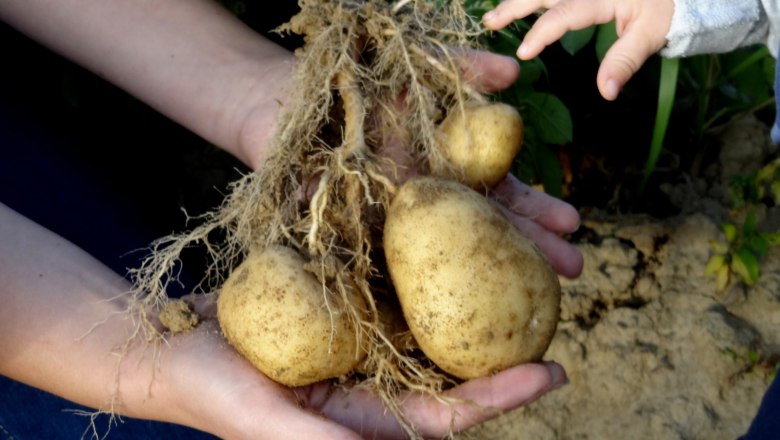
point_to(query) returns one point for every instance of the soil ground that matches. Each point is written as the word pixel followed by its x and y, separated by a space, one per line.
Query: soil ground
pixel 652 350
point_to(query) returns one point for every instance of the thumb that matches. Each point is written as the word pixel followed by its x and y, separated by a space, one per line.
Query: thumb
pixel 622 61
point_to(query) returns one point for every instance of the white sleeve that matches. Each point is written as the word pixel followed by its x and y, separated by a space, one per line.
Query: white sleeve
pixel 710 26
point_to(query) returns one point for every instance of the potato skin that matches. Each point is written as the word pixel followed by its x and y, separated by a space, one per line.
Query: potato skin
pixel 481 141
pixel 479 297
pixel 274 313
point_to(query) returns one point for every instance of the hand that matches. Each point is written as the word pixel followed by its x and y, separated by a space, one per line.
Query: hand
pixel 642 26
pixel 542 218
pixel 539 216
pixel 218 391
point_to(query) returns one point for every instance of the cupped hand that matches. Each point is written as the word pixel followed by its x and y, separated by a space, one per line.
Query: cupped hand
pixel 219 392
pixel 642 26
pixel 541 217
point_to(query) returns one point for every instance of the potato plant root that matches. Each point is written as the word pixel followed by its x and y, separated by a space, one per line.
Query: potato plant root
pixel 371 73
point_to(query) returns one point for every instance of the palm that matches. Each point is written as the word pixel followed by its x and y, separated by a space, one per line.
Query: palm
pixel 231 399
pixel 241 403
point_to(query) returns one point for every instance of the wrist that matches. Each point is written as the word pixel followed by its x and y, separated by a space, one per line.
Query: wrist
pixel 257 111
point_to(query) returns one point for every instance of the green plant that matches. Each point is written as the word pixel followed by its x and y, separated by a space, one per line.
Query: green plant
pixel 716 89
pixel 721 87
pixel 547 119
pixel 765 364
pixel 605 36
pixel 703 92
pixel 745 244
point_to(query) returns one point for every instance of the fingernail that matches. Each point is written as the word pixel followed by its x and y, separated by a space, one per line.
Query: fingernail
pixel 558 375
pixel 561 384
pixel 490 16
pixel 612 89
pixel 522 51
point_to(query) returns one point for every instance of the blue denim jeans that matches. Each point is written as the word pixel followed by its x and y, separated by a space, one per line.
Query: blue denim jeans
pixel 766 424
pixel 30 414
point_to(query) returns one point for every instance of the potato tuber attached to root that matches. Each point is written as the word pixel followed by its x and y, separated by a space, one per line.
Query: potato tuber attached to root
pixel 280 317
pixel 478 144
pixel 305 231
pixel 479 297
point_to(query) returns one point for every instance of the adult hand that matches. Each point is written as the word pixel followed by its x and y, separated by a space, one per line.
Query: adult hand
pixel 217 391
pixel 539 216
pixel 642 26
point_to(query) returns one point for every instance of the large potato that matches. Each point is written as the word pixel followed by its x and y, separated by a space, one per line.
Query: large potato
pixel 478 296
pixel 479 144
pixel 275 314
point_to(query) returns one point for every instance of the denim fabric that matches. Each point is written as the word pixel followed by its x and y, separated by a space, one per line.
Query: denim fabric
pixel 766 424
pixel 30 414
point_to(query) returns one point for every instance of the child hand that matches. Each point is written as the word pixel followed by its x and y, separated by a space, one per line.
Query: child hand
pixel 642 26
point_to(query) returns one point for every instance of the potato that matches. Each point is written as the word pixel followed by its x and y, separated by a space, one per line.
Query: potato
pixel 479 297
pixel 275 314
pixel 479 144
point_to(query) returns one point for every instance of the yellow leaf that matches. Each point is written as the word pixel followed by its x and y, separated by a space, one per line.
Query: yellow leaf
pixel 716 262
pixel 719 247
pixel 722 278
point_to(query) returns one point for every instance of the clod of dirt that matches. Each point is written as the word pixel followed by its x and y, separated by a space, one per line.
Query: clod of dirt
pixel 179 316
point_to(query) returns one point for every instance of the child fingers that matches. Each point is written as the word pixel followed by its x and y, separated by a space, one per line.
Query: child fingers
pixel 566 15
pixel 510 10
pixel 623 60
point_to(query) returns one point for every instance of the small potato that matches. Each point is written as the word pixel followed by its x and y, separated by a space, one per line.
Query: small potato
pixel 275 314
pixel 479 297
pixel 480 142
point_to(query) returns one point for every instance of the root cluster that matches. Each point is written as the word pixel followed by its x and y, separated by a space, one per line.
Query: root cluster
pixel 373 80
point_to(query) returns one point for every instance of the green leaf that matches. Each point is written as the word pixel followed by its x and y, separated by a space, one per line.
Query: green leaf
pixel 767 173
pixel 666 91
pixel 538 164
pixel 745 265
pixel 770 65
pixel 531 70
pixel 730 231
pixel 743 70
pixel 758 244
pixel 550 173
pixel 574 41
pixel 504 42
pixel 749 228
pixel 776 192
pixel 773 238
pixel 550 116
pixel 743 60
pixel 606 35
